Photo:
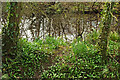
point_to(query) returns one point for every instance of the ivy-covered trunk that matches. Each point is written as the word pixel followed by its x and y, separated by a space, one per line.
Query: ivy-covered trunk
pixel 106 20
pixel 119 27
pixel 11 31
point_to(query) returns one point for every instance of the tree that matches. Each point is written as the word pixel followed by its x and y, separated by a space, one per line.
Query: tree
pixel 11 31
pixel 107 16
pixel 119 25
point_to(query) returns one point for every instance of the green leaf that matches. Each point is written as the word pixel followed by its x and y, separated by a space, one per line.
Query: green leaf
pixel 11 14
pixel 5 76
pixel 16 15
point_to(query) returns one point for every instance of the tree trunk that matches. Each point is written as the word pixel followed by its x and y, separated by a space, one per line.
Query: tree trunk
pixel 105 31
pixel 11 31
pixel 119 27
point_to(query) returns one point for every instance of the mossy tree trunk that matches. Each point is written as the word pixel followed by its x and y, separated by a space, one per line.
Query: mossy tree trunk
pixel 11 31
pixel 119 26
pixel 105 31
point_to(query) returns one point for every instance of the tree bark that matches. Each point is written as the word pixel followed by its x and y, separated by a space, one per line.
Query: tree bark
pixel 119 26
pixel 105 31
pixel 11 31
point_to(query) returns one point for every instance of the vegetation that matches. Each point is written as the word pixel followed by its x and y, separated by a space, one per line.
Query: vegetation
pixel 84 61
pixel 52 56
pixel 75 60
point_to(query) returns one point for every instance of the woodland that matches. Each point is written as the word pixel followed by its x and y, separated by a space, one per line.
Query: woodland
pixel 60 40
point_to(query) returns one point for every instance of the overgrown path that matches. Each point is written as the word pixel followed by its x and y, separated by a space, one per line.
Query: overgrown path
pixel 60 52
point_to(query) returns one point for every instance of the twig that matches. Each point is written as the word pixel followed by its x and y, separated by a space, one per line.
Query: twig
pixel 114 17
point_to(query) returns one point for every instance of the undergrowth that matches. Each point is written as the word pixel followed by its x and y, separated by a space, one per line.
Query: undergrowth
pixel 29 57
pixel 82 61
pixel 86 63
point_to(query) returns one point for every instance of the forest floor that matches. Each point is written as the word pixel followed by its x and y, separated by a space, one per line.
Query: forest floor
pixel 61 52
